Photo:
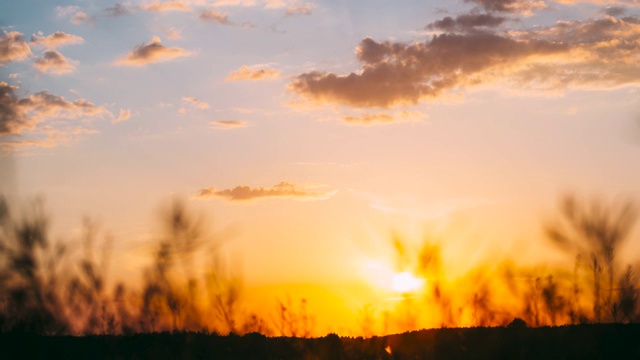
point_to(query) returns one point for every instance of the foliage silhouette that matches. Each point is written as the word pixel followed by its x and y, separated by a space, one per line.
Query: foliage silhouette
pixel 595 231
pixel 52 288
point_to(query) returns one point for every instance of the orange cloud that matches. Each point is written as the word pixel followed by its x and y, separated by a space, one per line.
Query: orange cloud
pixel 253 74
pixel 383 118
pixel 597 53
pixel 280 190
pixel 197 103
pixel 150 53
pixel 13 47
pixel 123 115
pixel 242 3
pixel 299 10
pixel 56 40
pixel 228 124
pixel 162 6
pixel 54 63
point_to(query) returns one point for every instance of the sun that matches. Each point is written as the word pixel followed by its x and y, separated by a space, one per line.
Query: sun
pixel 405 282
pixel 382 276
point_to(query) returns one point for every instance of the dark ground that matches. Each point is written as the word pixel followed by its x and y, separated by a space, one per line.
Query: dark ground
pixel 602 341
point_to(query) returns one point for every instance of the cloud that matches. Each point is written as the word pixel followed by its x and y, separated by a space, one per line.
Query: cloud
pixel 523 7
pixel 78 16
pixel 212 15
pixel 228 124
pixel 399 74
pixel 64 11
pixel 600 2
pixel 230 3
pixel 55 40
pixel 150 53
pixel 597 53
pixel 172 33
pixel 252 73
pixel 118 9
pixel 163 6
pixel 291 7
pixel 47 137
pixel 30 116
pixel 281 4
pixel 615 10
pixel 13 47
pixel 466 22
pixel 123 115
pixel 53 62
pixel 280 190
pixel 197 103
pixel 370 119
pixel 299 10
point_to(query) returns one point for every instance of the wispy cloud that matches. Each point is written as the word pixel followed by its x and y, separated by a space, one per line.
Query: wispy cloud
pixel 523 7
pixel 123 115
pixel 280 190
pixel 596 53
pixel 299 10
pixel 77 16
pixel 47 137
pixel 163 6
pixel 241 3
pixel 253 73
pixel 56 40
pixel 228 124
pixel 195 102
pixel 150 53
pixel 172 33
pixel 118 9
pixel 53 62
pixel 290 7
pixel 13 47
pixel 370 119
pixel 215 16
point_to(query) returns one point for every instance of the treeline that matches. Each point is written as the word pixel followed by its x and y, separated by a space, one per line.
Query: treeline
pixel 596 341
pixel 47 287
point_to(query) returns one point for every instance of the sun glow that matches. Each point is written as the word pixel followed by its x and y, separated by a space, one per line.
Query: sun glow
pixel 384 277
pixel 405 282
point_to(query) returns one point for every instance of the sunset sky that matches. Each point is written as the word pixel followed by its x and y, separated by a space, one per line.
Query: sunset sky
pixel 310 132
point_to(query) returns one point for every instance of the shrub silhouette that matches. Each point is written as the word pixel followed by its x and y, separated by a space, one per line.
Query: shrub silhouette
pixel 29 273
pixel 53 288
pixel 595 231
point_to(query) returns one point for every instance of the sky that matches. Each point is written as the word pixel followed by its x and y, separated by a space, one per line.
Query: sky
pixel 309 133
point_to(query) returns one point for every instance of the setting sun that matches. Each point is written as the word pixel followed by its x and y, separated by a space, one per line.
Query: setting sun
pixel 405 282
